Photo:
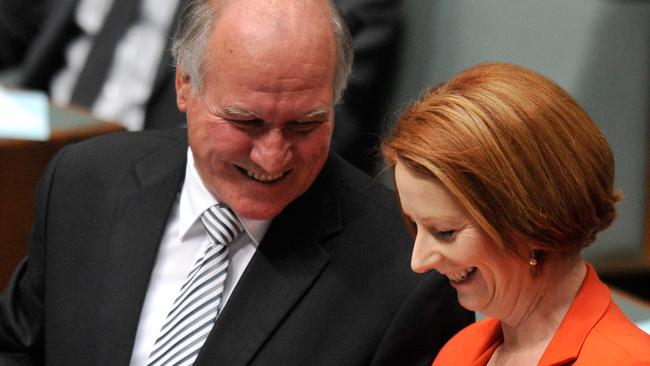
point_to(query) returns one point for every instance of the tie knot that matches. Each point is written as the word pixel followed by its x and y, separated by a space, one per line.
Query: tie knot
pixel 221 224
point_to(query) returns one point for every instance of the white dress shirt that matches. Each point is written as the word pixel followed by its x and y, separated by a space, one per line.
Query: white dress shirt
pixel 183 242
pixel 135 62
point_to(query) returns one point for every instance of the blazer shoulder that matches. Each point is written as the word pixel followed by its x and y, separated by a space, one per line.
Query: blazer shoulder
pixel 125 146
pixel 103 160
pixel 355 183
pixel 616 338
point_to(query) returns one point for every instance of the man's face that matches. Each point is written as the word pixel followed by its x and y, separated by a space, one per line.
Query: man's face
pixel 260 127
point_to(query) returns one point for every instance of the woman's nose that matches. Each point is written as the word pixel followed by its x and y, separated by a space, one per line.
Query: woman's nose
pixel 425 257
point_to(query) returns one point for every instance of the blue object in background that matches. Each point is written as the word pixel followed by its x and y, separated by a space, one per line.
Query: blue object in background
pixel 24 115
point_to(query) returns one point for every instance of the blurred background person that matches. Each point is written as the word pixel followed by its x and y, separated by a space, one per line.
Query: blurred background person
pixel 503 179
pixel 112 57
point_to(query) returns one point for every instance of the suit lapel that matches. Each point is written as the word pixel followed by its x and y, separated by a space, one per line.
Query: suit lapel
pixel 145 202
pixel 285 266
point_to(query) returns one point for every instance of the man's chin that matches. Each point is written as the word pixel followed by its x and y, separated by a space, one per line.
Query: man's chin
pixel 259 211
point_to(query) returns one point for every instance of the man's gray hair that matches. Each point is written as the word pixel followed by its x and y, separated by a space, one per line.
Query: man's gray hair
pixel 197 18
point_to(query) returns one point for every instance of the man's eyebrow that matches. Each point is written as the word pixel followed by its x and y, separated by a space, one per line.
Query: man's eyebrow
pixel 318 113
pixel 234 111
pixel 237 112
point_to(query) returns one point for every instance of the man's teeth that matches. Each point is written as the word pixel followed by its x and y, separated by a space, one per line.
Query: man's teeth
pixel 461 276
pixel 263 177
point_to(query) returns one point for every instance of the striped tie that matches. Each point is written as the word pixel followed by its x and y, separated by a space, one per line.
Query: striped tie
pixel 195 310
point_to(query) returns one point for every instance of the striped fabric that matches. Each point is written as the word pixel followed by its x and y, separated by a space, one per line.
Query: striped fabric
pixel 195 309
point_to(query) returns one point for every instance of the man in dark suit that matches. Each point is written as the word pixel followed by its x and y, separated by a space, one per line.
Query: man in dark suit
pixel 319 276
pixel 37 34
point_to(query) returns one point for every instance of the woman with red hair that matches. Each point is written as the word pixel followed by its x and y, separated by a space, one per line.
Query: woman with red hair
pixel 503 179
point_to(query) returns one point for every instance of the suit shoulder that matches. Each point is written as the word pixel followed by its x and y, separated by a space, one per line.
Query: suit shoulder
pixel 369 216
pixel 134 141
pixel 621 339
pixel 356 183
pixel 124 146
pixel 102 160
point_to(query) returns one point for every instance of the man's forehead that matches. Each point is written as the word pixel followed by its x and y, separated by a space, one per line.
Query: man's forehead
pixel 278 11
pixel 279 20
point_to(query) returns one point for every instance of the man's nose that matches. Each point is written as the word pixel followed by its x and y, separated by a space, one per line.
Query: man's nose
pixel 272 152
pixel 425 257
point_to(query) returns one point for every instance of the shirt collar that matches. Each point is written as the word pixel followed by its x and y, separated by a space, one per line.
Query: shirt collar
pixel 591 302
pixel 195 199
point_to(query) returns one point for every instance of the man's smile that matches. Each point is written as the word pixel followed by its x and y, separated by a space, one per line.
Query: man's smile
pixel 263 178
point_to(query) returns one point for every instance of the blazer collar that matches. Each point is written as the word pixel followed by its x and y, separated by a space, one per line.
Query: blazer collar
pixel 286 265
pixel 587 308
pixel 141 210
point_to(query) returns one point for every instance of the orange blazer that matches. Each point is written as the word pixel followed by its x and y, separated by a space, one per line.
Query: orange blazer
pixel 593 332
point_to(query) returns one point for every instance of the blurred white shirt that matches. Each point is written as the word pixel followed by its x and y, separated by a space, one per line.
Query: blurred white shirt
pixel 134 65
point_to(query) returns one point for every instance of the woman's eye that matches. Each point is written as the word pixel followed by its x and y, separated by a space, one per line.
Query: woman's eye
pixel 445 235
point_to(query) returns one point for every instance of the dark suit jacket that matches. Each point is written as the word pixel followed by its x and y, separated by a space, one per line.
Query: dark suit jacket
pixel 36 32
pixel 329 285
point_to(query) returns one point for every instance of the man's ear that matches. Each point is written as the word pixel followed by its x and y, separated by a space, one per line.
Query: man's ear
pixel 183 89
